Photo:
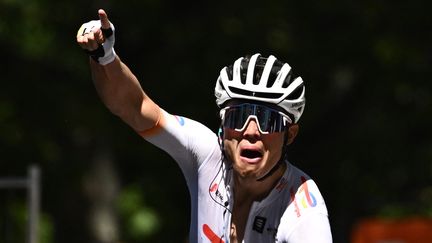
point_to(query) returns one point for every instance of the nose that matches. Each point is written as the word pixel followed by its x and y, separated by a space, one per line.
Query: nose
pixel 252 129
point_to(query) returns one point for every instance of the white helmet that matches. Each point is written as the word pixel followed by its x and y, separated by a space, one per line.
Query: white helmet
pixel 262 79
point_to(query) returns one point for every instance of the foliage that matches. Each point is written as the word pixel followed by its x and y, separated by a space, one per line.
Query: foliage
pixel 364 137
pixel 141 221
pixel 14 224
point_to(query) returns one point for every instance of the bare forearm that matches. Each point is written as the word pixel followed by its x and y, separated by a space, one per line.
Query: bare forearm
pixel 122 94
pixel 117 86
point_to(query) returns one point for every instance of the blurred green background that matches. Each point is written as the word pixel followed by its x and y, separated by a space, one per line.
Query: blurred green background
pixel 365 134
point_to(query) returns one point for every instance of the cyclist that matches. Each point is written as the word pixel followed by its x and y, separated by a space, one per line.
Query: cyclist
pixel 242 187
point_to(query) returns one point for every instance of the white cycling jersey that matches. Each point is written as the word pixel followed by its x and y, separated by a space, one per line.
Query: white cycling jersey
pixel 293 212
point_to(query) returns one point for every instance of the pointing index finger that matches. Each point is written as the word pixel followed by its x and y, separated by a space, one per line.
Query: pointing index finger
pixel 104 19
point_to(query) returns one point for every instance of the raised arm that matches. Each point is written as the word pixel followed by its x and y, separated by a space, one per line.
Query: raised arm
pixel 116 85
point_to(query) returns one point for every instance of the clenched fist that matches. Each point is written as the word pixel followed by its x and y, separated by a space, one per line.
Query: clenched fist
pixel 97 39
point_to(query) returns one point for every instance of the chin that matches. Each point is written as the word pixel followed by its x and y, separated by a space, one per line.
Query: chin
pixel 245 170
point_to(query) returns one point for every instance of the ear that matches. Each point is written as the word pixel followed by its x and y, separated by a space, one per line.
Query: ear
pixel 292 133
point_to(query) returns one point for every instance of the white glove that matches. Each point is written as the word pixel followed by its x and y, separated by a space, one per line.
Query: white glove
pixel 105 53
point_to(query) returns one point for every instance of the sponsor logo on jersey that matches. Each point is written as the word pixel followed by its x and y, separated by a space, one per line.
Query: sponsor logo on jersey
pixel 214 190
pixel 214 187
pixel 219 195
pixel 180 120
pixel 308 199
pixel 303 196
pixel 259 224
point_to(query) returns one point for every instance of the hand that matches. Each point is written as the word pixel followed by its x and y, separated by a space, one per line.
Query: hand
pixel 97 39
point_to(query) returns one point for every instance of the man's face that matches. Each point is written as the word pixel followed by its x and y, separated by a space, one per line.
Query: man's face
pixel 252 154
pixel 253 137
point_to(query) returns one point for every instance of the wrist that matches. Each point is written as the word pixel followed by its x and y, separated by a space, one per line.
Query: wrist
pixel 102 55
pixel 108 57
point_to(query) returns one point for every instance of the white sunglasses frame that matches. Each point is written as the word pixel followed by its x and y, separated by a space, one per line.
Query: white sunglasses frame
pixel 286 119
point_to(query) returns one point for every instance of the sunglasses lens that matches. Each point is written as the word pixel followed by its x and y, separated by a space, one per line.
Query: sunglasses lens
pixel 269 120
pixel 234 118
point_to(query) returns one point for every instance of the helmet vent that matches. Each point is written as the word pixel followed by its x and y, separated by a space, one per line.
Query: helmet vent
pixel 221 84
pixel 296 93
pixel 255 94
pixel 287 80
pixel 259 68
pixel 273 75
pixel 230 72
pixel 243 69
pixel 277 65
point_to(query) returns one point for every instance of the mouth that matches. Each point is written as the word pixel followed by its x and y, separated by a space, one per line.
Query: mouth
pixel 251 155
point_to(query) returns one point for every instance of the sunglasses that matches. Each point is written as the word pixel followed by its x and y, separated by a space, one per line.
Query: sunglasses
pixel 269 120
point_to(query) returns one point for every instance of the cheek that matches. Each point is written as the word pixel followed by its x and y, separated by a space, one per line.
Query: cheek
pixel 229 147
pixel 231 134
pixel 274 146
pixel 231 140
pixel 274 141
pixel 274 152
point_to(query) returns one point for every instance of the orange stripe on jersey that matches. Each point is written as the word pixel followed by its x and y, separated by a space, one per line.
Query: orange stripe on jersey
pixel 155 129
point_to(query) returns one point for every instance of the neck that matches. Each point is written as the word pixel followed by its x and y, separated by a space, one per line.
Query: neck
pixel 251 189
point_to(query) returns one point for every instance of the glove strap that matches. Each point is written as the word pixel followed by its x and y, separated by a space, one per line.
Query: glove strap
pixel 97 53
pixel 107 33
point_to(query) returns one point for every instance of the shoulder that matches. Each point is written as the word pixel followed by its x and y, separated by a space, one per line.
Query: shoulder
pixel 180 127
pixel 306 205
pixel 304 192
pixel 183 138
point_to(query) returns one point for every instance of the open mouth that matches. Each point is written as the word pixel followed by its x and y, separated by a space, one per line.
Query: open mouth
pixel 251 154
